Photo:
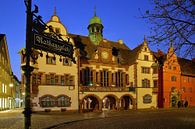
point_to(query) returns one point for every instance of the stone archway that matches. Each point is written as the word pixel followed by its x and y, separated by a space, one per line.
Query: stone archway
pixel 127 102
pixel 90 103
pixel 110 102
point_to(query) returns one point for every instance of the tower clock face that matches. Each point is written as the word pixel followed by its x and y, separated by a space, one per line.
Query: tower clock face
pixel 104 55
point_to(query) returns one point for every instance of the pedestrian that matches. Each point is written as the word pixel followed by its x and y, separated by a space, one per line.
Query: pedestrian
pixel 186 103
pixel 179 104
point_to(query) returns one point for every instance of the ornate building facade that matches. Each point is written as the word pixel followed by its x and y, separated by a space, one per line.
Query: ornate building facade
pixel 100 79
pixel 178 80
pixel 107 75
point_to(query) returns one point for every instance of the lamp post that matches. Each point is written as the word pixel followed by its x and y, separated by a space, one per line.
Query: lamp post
pixel 27 68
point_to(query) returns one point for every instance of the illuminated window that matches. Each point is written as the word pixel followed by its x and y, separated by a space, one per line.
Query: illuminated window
pixel 63 101
pixel 47 101
pixel 4 88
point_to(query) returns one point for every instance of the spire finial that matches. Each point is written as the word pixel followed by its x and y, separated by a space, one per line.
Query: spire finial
pixel 144 37
pixel 95 11
pixel 145 40
pixel 55 10
pixel 171 43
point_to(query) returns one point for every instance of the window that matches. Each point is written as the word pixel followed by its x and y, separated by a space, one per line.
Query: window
pixel 190 89
pixel 36 79
pixel 183 89
pixel 169 67
pixel 146 57
pixel 173 88
pixel 155 70
pixel 47 79
pixel 67 62
pixel 145 49
pixel 63 101
pixel 174 68
pixel 155 83
pixel 173 78
pixel 52 79
pixel 188 79
pixel 131 83
pixel 57 30
pixel 145 83
pixel 88 77
pixel 119 78
pixel 72 82
pixel 47 101
pixel 4 88
pixel 184 78
pixel 56 79
pixel 62 80
pixel 146 70
pixel 127 79
pixel 104 78
pixel 50 60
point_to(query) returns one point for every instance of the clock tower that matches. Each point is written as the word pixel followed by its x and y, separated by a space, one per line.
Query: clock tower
pixel 95 28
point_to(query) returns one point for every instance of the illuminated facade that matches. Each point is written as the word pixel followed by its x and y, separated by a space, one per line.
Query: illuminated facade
pixel 178 80
pixel 6 85
pixel 107 75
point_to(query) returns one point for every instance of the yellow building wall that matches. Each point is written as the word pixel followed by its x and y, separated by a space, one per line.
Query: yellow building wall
pixel 140 76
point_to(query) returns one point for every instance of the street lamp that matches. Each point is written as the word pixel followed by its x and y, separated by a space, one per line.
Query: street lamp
pixel 11 85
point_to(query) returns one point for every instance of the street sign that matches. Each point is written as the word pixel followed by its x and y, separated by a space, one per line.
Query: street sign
pixel 52 45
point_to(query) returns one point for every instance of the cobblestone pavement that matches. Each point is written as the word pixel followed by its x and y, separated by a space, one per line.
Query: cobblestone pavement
pixel 148 119
pixel 134 119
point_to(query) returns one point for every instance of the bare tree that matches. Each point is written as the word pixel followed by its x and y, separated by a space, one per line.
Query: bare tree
pixel 173 20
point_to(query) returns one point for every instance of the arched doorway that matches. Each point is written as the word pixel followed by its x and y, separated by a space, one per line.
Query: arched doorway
pixel 90 103
pixel 126 102
pixel 174 100
pixel 109 103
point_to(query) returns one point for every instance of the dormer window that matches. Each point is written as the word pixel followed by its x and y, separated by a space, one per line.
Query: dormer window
pixel 146 57
pixel 57 30
pixel 145 49
pixel 67 62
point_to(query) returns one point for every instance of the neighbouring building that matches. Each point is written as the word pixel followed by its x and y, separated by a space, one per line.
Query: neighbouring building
pixel 6 84
pixel 178 80
pixel 105 77
pixel 143 74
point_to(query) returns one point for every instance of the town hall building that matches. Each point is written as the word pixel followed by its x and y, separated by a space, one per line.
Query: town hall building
pixel 107 75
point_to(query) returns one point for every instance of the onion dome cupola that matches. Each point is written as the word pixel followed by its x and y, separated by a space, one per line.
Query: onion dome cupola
pixel 95 28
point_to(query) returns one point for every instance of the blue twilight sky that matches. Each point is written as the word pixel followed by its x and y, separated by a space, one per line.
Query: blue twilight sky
pixel 119 17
